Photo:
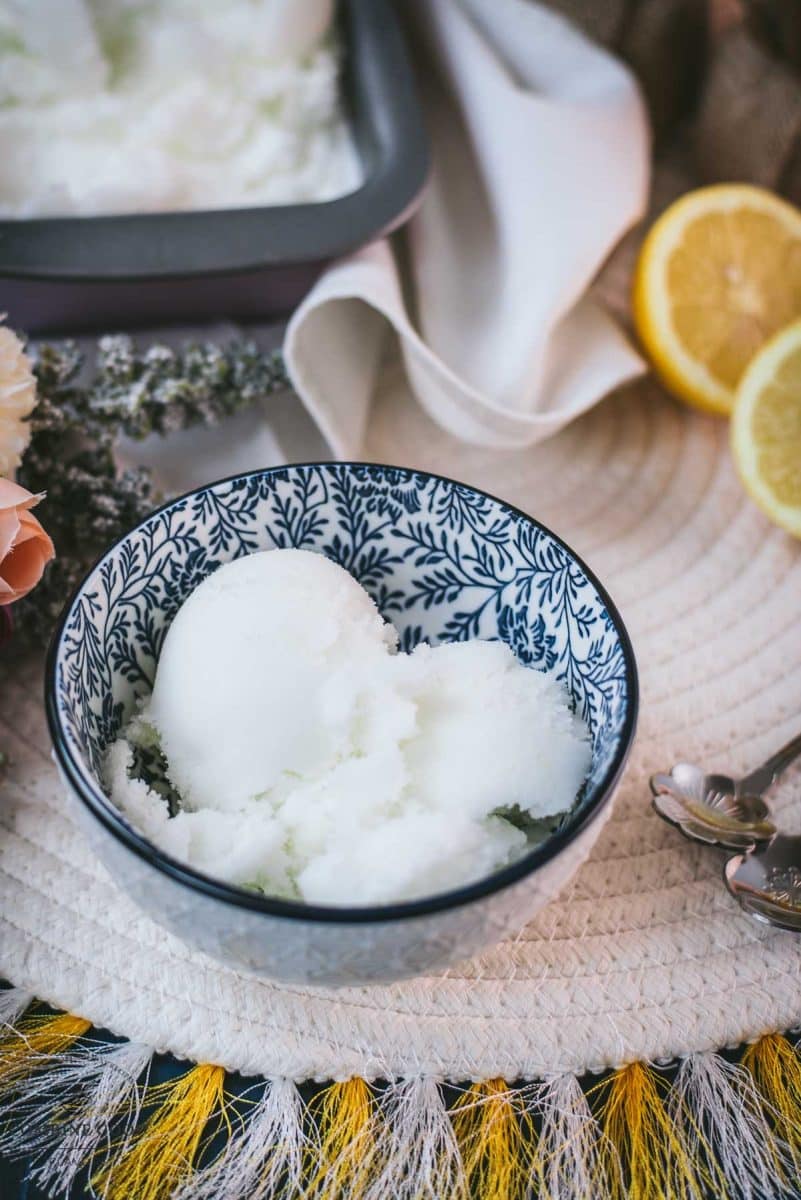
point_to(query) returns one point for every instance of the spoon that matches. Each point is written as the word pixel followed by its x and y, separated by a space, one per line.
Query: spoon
pixel 717 809
pixel 767 882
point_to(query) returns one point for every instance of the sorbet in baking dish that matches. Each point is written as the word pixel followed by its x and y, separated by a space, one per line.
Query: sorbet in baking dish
pixel 114 106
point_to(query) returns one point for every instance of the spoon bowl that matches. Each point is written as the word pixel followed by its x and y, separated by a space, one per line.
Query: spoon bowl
pixel 711 808
pixel 767 882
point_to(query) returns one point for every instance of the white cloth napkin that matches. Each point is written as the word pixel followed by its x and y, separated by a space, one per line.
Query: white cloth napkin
pixel 540 154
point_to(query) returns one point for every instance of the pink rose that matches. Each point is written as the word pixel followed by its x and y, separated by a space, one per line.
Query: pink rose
pixel 25 548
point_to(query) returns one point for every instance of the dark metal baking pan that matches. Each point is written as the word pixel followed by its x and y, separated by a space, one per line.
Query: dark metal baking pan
pixel 71 273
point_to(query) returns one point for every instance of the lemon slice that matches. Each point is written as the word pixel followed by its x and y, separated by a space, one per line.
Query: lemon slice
pixel 766 429
pixel 718 274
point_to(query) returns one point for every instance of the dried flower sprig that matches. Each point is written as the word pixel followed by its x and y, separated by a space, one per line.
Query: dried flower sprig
pixel 74 427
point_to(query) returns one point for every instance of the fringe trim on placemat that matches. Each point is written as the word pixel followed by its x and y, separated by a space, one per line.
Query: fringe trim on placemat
pixel 75 1107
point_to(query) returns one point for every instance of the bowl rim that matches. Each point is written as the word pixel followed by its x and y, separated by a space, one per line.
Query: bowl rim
pixel 100 806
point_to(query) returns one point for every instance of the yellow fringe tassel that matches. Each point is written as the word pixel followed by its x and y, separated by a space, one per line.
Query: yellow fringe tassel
pixel 776 1070
pixel 497 1139
pixel 23 1049
pixel 343 1160
pixel 161 1156
pixel 653 1158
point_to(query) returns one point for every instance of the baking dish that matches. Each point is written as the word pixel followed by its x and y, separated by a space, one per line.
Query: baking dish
pixel 71 273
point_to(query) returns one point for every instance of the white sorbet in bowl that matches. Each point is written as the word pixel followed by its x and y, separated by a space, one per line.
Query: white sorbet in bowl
pixel 312 761
pixel 296 786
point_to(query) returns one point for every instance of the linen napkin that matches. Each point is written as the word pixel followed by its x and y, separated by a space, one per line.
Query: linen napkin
pixel 540 152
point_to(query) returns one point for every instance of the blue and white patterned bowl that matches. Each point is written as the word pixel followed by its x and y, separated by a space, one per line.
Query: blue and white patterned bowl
pixel 443 561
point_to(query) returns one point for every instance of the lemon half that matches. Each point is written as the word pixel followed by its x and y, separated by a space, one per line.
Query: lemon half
pixel 718 275
pixel 766 429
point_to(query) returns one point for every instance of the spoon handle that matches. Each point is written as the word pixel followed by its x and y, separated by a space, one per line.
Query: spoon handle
pixel 761 779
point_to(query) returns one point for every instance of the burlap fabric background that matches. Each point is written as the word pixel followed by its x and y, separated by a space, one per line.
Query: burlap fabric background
pixel 725 74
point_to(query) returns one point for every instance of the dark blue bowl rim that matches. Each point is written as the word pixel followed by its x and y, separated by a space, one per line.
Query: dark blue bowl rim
pixel 101 808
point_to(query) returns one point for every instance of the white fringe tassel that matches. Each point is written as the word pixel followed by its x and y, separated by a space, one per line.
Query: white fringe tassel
pixel 713 1103
pixel 420 1159
pixel 13 1002
pixel 64 1116
pixel 78 1107
pixel 264 1160
pixel 568 1157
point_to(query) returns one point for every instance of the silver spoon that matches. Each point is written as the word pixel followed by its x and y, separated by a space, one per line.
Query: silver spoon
pixel 717 809
pixel 767 882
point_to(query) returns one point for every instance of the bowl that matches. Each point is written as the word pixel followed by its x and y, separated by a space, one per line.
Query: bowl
pixel 443 561
pixel 61 274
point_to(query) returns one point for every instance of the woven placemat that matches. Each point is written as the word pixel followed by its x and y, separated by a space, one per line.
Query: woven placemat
pixel 644 955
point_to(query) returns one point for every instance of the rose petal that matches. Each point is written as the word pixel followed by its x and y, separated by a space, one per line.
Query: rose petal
pixel 30 526
pixel 22 567
pixel 9 528
pixel 14 496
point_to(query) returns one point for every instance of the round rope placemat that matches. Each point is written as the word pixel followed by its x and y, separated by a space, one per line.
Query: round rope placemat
pixel 644 955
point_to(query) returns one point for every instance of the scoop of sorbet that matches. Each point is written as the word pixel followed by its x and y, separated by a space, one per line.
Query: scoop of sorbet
pixel 261 676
